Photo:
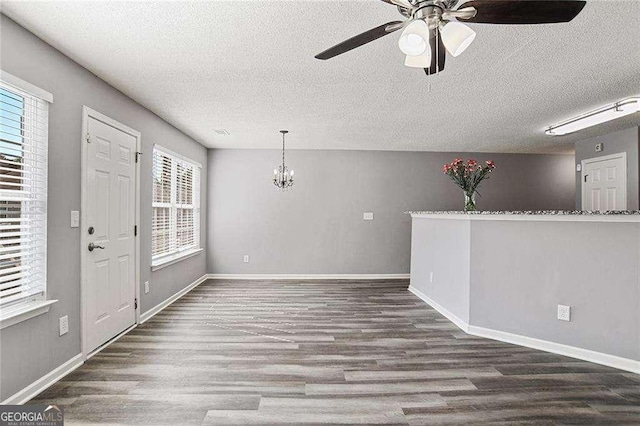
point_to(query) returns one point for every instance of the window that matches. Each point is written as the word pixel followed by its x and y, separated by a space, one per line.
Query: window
pixel 176 207
pixel 23 192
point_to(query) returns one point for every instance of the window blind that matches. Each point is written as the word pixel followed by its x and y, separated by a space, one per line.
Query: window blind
pixel 23 194
pixel 176 205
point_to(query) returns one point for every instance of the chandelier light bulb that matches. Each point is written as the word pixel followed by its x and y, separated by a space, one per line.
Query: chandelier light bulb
pixel 275 172
pixel 415 38
pixel 456 37
pixel 291 173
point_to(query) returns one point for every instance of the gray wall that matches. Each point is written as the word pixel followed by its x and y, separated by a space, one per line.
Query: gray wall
pixel 317 227
pixel 441 247
pixel 520 271
pixel 621 141
pixel 592 267
pixel 33 348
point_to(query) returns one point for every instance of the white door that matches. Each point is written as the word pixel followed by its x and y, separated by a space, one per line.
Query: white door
pixel 109 299
pixel 604 183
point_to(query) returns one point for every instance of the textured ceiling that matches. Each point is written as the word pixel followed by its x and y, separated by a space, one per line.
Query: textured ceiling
pixel 248 67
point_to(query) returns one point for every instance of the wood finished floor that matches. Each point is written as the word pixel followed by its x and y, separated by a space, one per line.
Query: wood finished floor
pixel 247 352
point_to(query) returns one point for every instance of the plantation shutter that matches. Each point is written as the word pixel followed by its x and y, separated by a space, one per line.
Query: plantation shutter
pixel 23 194
pixel 161 241
pixel 176 205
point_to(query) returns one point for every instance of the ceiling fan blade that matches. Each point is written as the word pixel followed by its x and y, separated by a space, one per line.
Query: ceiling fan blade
pixel 438 55
pixel 359 40
pixel 524 11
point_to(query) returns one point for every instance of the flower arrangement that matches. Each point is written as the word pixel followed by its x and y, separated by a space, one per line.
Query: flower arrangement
pixel 468 176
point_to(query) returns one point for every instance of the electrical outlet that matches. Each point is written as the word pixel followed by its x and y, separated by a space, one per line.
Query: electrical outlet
pixel 246 258
pixel 64 325
pixel 564 313
pixel 599 147
pixel 146 287
pixel 367 216
pixel 430 277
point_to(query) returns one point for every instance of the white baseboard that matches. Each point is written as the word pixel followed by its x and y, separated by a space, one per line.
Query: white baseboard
pixel 44 382
pixel 450 316
pixel 308 276
pixel 160 306
pixel 614 361
pixel 558 348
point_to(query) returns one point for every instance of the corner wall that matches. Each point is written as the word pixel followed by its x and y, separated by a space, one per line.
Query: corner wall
pixel 503 277
pixel 445 260
pixel 317 226
pixel 32 348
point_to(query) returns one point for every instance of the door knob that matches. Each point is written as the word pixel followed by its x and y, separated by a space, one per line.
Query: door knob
pixel 94 246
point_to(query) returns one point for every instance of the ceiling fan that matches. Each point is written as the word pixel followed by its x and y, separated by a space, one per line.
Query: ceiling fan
pixel 434 27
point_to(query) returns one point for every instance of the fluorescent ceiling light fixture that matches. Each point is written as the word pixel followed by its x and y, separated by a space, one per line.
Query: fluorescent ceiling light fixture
pixel 456 37
pixel 598 116
pixel 415 38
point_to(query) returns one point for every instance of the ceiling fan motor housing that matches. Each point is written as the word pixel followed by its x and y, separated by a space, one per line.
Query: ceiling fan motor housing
pixel 423 8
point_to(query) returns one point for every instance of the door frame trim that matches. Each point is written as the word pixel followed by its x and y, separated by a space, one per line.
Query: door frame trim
pixel 586 161
pixel 86 114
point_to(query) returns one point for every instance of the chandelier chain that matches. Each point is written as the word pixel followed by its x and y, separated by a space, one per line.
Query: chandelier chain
pixel 283 151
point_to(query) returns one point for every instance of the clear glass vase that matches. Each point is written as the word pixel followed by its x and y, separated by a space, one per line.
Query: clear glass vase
pixel 470 201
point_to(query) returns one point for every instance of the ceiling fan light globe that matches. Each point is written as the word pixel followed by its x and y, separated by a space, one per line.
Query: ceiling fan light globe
pixel 420 61
pixel 456 37
pixel 412 45
pixel 415 38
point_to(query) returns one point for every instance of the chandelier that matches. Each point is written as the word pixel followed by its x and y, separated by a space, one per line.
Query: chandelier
pixel 282 177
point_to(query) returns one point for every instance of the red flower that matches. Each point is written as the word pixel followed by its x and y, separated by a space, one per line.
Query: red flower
pixel 472 163
pixel 457 161
pixel 491 164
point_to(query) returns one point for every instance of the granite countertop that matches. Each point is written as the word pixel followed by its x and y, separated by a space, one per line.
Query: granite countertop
pixel 536 212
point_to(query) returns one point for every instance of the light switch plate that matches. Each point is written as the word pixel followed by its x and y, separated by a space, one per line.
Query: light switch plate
pixel 75 218
pixel 245 259
pixel 367 216
pixel 64 325
pixel 564 313
pixel 146 287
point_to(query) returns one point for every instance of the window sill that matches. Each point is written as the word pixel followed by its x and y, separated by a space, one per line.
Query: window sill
pixel 23 311
pixel 170 260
